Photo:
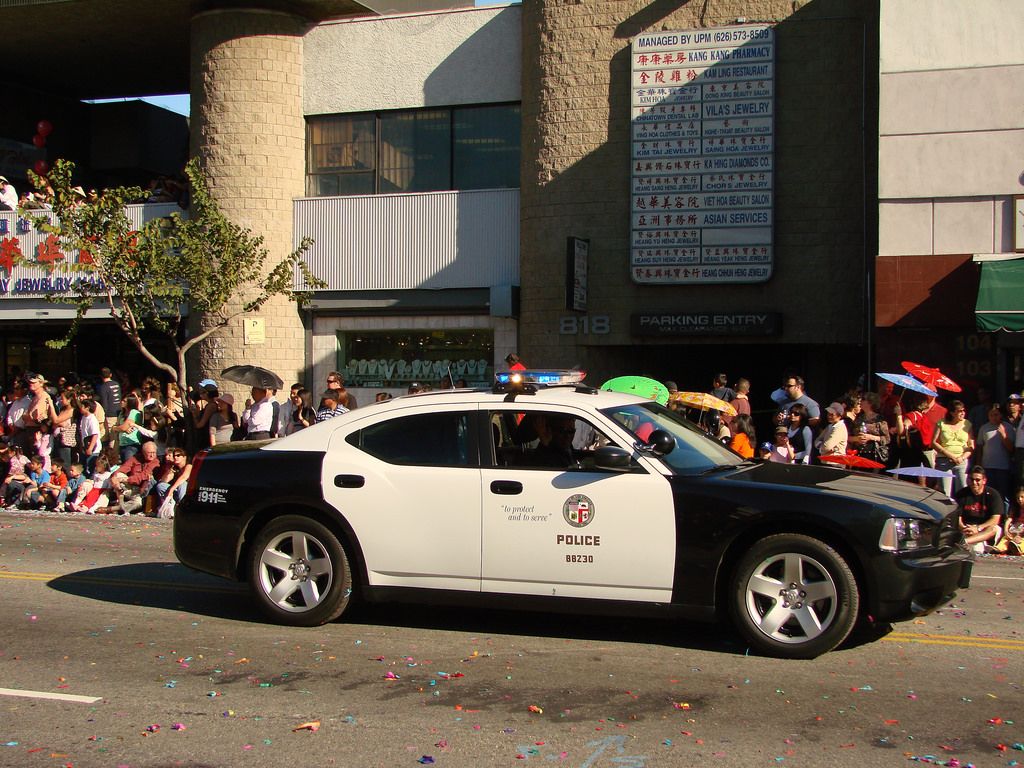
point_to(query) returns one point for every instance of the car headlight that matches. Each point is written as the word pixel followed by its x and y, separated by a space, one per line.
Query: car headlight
pixel 900 534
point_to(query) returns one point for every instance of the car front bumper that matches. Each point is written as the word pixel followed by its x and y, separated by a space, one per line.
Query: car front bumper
pixel 905 587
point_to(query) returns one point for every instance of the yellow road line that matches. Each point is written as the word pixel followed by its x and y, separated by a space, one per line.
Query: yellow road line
pixel 74 578
pixel 27 575
pixel 955 640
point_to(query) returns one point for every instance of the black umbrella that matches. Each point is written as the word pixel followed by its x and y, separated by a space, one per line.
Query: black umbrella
pixel 254 376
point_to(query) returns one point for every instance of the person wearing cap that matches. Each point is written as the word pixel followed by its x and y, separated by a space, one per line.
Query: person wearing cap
pixel 781 451
pixel 224 421
pixel 833 438
pixel 8 195
pixel 39 419
pixel 1013 409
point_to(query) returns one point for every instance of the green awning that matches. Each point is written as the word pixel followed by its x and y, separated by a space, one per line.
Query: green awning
pixel 1000 303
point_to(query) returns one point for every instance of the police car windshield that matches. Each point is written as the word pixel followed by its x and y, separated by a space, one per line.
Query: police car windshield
pixel 695 451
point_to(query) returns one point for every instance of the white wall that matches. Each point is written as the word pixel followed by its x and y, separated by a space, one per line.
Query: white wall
pixel 920 35
pixel 951 124
pixel 468 56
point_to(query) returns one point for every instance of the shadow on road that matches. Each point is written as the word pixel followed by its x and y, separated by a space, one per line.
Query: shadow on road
pixel 172 586
pixel 160 585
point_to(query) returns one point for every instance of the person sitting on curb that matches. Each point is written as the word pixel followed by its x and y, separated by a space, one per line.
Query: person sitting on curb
pixel 23 488
pixel 981 509
pixel 173 479
pixel 133 479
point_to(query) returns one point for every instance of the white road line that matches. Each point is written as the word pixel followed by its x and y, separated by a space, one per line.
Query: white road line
pixel 1002 578
pixel 48 695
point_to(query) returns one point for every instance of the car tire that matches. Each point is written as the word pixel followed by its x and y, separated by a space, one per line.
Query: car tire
pixel 793 597
pixel 299 572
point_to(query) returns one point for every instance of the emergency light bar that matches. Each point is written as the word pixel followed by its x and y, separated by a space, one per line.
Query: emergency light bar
pixel 545 378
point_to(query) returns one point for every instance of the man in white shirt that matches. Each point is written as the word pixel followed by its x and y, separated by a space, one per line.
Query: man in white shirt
pixel 8 195
pixel 259 416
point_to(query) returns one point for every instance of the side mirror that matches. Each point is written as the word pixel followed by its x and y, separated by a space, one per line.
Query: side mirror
pixel 613 458
pixel 660 443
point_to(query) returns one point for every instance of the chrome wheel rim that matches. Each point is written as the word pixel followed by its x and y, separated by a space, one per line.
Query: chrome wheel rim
pixel 295 571
pixel 791 598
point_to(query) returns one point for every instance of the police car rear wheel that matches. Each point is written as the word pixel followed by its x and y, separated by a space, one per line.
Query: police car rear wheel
pixel 794 597
pixel 299 572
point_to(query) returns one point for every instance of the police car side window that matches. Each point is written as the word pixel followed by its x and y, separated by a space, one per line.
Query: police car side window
pixel 544 440
pixel 428 439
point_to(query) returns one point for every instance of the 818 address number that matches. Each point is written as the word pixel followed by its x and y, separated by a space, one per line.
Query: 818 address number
pixel 571 325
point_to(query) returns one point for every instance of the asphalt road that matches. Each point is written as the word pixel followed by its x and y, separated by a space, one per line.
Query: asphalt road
pixel 165 667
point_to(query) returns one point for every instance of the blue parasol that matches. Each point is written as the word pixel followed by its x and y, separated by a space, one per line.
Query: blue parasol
pixel 907 382
pixel 921 472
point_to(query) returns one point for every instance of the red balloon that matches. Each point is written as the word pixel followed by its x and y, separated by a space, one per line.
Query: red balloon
pixel 41 167
pixel 44 128
pixel 39 140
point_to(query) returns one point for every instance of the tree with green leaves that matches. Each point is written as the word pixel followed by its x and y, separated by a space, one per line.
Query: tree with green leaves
pixel 146 276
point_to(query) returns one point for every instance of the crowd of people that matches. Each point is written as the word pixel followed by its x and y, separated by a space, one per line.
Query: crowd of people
pixel 976 458
pixel 110 447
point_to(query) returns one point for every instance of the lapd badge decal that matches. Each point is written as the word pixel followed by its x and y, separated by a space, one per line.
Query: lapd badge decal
pixel 578 510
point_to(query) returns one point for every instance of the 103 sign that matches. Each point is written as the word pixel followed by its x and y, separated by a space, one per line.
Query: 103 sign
pixel 571 325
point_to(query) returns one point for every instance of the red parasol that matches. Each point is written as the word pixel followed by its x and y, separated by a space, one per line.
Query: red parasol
pixel 851 460
pixel 933 377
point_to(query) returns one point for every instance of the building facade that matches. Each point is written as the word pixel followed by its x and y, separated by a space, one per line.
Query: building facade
pixel 951 143
pixel 481 180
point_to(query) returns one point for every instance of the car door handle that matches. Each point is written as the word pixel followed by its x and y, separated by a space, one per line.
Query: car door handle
pixel 506 487
pixel 349 481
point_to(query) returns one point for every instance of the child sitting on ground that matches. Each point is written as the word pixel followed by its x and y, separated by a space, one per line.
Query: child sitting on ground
pixel 76 478
pixel 94 493
pixel 49 492
pixel 23 488
pixel 15 462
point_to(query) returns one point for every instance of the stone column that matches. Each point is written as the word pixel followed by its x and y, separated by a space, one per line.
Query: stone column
pixel 249 132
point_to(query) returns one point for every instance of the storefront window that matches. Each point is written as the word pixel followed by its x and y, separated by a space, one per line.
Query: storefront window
pixel 399 358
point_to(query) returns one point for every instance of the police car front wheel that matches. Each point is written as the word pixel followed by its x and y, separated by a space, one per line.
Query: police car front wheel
pixel 299 572
pixel 794 597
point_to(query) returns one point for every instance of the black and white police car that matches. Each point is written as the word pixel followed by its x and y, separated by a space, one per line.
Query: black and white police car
pixel 555 494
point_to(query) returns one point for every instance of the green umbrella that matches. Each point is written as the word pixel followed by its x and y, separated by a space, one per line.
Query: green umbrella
pixel 640 386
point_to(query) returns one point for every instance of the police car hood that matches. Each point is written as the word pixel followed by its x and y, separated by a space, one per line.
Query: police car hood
pixel 877 489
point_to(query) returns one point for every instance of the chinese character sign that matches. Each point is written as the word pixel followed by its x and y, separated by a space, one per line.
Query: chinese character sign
pixel 33 263
pixel 702 105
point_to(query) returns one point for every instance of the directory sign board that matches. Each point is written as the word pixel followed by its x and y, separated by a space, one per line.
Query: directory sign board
pixel 703 139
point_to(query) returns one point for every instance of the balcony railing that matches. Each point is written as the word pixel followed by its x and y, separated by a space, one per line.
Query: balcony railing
pixel 434 240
